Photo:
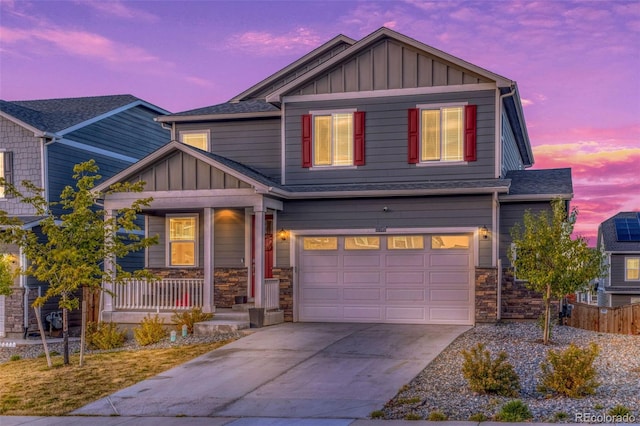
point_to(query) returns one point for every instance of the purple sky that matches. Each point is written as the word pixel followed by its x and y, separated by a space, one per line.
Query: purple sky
pixel 577 64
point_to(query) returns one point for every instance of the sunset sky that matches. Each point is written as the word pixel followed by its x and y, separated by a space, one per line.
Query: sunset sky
pixel 577 64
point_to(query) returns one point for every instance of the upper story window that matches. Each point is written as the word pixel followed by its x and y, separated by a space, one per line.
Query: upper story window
pixel 442 134
pixel 182 240
pixel 632 269
pixel 333 138
pixel 198 139
pixel 6 169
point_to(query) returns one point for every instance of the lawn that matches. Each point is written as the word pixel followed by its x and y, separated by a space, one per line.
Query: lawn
pixel 29 387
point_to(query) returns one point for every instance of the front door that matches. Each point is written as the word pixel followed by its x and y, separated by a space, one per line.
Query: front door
pixel 268 250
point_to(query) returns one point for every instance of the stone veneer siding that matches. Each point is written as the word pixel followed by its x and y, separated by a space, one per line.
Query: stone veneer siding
pixel 14 313
pixel 286 291
pixel 486 295
pixel 518 302
pixel 229 283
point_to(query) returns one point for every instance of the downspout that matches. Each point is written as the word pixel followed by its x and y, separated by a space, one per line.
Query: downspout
pixel 25 286
pixel 171 128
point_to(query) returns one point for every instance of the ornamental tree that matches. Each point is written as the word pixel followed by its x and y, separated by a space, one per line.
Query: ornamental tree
pixel 70 253
pixel 550 260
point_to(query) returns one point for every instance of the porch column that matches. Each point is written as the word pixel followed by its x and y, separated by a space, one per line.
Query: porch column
pixel 258 237
pixel 109 269
pixel 208 304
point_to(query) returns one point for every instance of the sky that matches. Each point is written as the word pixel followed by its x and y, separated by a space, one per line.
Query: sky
pixel 577 64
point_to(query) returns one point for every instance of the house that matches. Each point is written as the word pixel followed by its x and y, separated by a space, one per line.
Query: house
pixel 41 141
pixel 368 181
pixel 619 240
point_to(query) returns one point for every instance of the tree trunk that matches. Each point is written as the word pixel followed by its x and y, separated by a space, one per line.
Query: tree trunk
pixel 547 316
pixel 84 325
pixel 65 335
pixel 43 337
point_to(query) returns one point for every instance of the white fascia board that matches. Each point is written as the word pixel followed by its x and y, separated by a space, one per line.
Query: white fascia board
pixel 315 52
pixel 36 132
pixel 95 150
pixel 111 113
pixel 372 38
pixel 388 193
pixel 217 117
pixel 391 92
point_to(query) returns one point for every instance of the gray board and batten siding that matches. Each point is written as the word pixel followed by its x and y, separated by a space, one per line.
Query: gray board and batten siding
pixel 386 145
pixel 511 159
pixel 385 65
pixel 510 214
pixel 255 142
pixel 402 212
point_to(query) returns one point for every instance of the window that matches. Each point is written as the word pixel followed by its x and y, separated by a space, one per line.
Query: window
pixel 632 269
pixel 361 243
pixel 182 237
pixel 440 134
pixel 405 242
pixel 6 169
pixel 196 138
pixel 320 243
pixel 333 139
pixel 449 242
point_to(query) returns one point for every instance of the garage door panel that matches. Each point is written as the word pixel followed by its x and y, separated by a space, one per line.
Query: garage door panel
pixel 321 294
pixel 405 313
pixel 320 278
pixel 450 315
pixel 405 295
pixel 402 278
pixel 449 295
pixel 362 260
pixel 362 277
pixel 320 261
pixel 363 313
pixel 449 277
pixel 443 260
pixel 364 294
pixel 404 259
pixel 321 313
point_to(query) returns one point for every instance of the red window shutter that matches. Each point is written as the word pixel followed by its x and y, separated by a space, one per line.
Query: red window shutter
pixel 470 150
pixel 414 136
pixel 358 138
pixel 306 140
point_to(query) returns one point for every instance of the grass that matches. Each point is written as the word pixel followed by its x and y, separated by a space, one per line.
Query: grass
pixel 29 387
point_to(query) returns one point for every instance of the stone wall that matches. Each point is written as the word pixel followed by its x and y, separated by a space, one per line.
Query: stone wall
pixel 518 302
pixel 229 283
pixel 486 295
pixel 286 291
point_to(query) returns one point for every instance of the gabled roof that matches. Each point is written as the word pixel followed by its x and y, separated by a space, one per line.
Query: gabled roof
pixel 242 109
pixel 60 116
pixel 608 239
pixel 531 185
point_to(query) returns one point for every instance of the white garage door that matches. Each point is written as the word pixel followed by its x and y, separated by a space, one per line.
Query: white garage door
pixel 411 279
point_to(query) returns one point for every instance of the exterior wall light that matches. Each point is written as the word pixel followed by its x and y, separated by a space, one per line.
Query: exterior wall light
pixel 484 232
pixel 282 234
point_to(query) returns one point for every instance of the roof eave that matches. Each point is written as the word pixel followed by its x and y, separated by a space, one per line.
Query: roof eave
pixel 216 117
pixel 387 193
pixel 36 132
pixel 534 197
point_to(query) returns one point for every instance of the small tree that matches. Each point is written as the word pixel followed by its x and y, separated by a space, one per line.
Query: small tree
pixel 549 260
pixel 75 245
pixel 6 274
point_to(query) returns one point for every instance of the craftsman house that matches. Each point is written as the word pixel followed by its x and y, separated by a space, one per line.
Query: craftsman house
pixel 619 240
pixel 41 141
pixel 368 181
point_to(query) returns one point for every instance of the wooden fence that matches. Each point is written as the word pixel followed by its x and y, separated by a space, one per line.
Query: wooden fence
pixel 620 320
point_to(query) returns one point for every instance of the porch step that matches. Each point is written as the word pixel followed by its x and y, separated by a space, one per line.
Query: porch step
pixel 243 307
pixel 227 314
pixel 216 326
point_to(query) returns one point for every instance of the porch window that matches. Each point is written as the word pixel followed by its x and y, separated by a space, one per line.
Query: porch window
pixel 182 244
pixel 632 269
pixel 198 139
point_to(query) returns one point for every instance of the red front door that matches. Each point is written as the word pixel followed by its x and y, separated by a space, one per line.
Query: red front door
pixel 268 250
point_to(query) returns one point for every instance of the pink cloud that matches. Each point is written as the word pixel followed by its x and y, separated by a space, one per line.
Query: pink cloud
pixel 120 10
pixel 265 43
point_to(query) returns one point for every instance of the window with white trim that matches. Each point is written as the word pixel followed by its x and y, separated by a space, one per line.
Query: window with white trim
pixel 198 139
pixel 182 240
pixel 632 269
pixel 6 170
pixel 333 138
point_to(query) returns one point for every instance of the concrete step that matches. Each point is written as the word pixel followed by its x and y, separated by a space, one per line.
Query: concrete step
pixel 216 326
pixel 230 315
pixel 243 307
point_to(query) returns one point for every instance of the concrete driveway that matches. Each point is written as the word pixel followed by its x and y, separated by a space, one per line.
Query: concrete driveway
pixel 292 370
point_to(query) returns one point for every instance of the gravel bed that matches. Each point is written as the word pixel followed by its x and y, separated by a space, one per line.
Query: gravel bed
pixel 441 386
pixel 35 350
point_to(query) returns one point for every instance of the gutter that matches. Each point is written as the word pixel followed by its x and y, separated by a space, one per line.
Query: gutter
pixel 216 117
pixel 384 193
pixel 534 197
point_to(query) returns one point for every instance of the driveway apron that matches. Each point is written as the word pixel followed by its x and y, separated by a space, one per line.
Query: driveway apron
pixel 312 370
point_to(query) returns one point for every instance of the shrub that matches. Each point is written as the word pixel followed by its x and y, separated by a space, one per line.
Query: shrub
pixel 189 318
pixel 619 410
pixel 437 416
pixel 489 376
pixel 377 414
pixel 104 335
pixel 478 417
pixel 413 416
pixel 150 331
pixel 570 372
pixel 514 411
pixel 15 357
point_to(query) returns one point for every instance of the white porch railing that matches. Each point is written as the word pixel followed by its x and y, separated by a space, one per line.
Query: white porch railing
pixel 272 293
pixel 166 294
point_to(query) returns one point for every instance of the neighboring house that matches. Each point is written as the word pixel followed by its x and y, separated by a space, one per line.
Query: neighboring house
pixel 619 239
pixel 41 141
pixel 368 181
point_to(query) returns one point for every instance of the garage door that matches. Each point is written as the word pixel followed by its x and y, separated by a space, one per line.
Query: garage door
pixel 412 279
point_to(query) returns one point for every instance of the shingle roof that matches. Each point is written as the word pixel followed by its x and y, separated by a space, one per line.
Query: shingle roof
pixel 54 115
pixel 242 107
pixel 540 182
pixel 608 236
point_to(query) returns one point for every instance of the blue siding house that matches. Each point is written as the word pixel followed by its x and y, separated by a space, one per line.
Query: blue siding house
pixel 371 180
pixel 41 141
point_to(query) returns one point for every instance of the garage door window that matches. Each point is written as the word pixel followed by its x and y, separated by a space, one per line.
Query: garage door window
pixel 320 243
pixel 445 242
pixel 362 243
pixel 405 242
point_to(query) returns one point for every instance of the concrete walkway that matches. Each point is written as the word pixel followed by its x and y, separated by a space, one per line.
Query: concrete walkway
pixel 293 370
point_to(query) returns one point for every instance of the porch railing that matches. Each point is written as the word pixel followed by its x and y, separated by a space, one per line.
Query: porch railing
pixel 166 294
pixel 272 293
